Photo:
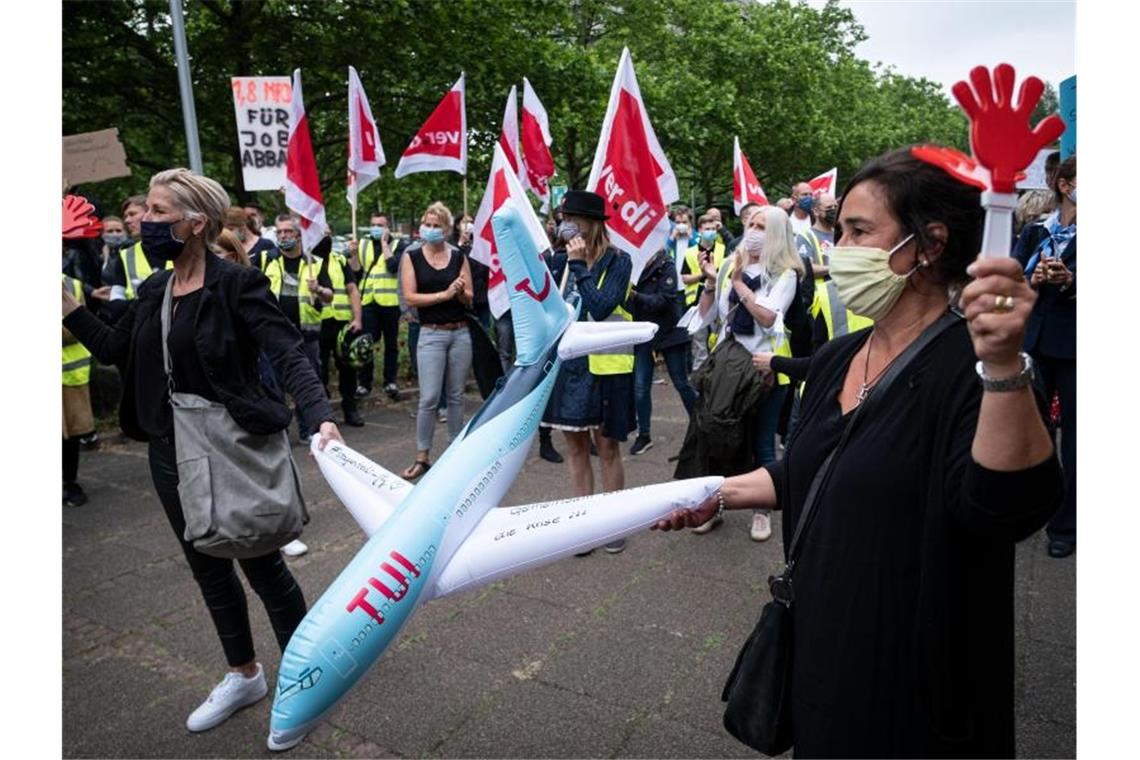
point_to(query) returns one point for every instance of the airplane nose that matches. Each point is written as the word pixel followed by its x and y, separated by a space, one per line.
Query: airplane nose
pixel 288 738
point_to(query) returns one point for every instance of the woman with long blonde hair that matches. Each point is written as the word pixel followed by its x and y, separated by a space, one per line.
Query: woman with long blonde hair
pixel 749 296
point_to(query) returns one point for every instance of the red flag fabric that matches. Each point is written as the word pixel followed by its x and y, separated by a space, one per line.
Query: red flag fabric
pixel 745 188
pixel 509 137
pixel 824 183
pixel 302 183
pixel 501 185
pixel 365 153
pixel 631 172
pixel 441 143
pixel 536 141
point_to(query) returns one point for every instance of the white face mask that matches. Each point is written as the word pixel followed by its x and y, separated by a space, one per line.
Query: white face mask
pixel 753 242
pixel 865 281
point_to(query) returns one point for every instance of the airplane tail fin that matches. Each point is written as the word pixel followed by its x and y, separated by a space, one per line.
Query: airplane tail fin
pixel 537 309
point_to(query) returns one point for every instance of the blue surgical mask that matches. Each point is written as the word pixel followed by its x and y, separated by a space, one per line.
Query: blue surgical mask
pixel 707 236
pixel 431 234
pixel 805 204
pixel 158 240
pixel 116 239
pixel 377 231
pixel 567 231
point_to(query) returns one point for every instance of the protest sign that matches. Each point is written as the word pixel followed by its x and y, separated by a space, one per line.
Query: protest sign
pixel 1068 95
pixel 1035 172
pixel 261 109
pixel 556 193
pixel 93 156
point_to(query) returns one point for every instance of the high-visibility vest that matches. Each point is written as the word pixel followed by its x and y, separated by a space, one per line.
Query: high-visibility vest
pixel 341 307
pixel 783 347
pixel 620 362
pixel 76 357
pixel 379 286
pixel 310 315
pixel 839 319
pixel 260 263
pixel 136 267
pixel 695 268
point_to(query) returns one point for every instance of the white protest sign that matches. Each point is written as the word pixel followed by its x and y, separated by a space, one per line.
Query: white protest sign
pixel 261 108
pixel 1035 172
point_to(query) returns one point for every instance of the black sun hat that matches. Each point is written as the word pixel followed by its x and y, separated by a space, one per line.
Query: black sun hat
pixel 584 203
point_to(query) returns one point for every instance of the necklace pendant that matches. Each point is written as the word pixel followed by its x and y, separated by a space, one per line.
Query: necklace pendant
pixel 861 396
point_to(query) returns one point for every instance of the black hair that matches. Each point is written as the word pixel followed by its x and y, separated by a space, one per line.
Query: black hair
pixel 1066 171
pixel 1051 162
pixel 919 194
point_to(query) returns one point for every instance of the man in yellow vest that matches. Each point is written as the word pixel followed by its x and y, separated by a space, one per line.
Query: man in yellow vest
pixel 709 244
pixel 375 268
pixel 78 421
pixel 338 280
pixel 133 265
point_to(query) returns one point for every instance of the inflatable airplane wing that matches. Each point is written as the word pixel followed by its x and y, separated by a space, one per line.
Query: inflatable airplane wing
pixel 445 535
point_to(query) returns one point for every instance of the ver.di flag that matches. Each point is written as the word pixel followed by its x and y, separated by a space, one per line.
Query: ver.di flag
pixel 745 188
pixel 824 183
pixel 538 162
pixel 631 172
pixel 365 153
pixel 501 185
pixel 441 143
pixel 509 137
pixel 302 183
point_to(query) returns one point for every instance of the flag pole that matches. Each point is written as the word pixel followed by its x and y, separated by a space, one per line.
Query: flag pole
pixel 465 195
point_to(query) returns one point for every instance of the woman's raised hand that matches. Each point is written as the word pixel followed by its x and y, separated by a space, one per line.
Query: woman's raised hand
pixel 997 305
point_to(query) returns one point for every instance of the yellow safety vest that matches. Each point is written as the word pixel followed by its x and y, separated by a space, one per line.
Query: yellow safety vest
pixel 783 348
pixel 621 361
pixel 378 286
pixel 310 314
pixel 76 357
pixel 839 319
pixel 136 268
pixel 341 307
pixel 695 268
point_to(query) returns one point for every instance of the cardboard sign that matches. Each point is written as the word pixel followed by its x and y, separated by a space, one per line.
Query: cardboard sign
pixel 1035 172
pixel 556 193
pixel 261 110
pixel 1068 98
pixel 93 156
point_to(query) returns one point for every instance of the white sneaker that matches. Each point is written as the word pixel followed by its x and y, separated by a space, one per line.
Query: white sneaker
pixel 233 693
pixel 704 528
pixel 761 527
pixel 294 549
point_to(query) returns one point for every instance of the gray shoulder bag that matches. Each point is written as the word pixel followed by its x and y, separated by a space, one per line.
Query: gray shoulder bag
pixel 240 492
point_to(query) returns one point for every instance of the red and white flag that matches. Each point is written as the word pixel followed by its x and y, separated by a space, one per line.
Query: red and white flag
pixel 509 137
pixel 441 143
pixel 745 187
pixel 631 172
pixel 302 183
pixel 824 183
pixel 536 145
pixel 365 153
pixel 501 185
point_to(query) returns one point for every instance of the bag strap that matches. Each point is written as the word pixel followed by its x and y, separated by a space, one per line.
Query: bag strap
pixel 780 585
pixel 165 314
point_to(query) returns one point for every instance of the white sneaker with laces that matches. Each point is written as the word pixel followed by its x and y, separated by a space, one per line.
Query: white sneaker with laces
pixel 294 549
pixel 233 693
pixel 761 526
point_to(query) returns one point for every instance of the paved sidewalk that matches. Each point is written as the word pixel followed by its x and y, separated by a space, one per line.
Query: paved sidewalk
pixel 607 656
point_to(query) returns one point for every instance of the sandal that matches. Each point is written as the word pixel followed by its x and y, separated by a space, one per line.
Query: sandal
pixel 417 470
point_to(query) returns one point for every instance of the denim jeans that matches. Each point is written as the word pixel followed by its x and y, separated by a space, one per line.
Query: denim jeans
pixel 444 361
pixel 675 363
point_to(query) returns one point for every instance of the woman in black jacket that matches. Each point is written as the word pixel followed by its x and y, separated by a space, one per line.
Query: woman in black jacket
pixel 902 642
pixel 223 315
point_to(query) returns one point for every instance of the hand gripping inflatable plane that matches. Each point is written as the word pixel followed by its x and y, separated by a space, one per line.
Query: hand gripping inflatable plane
pixel 446 535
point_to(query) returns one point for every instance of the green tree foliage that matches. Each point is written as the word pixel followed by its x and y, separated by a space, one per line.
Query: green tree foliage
pixel 780 75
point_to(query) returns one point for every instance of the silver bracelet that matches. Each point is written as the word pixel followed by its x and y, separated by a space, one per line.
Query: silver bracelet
pixel 1003 384
pixel 720 507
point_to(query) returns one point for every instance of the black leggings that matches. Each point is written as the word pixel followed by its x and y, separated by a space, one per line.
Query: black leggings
pixel 225 598
pixel 70 459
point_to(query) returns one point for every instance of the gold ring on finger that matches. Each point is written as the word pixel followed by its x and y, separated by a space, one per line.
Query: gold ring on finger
pixel 1003 303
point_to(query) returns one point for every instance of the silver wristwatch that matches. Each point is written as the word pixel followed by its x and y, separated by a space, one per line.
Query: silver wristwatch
pixel 1001 384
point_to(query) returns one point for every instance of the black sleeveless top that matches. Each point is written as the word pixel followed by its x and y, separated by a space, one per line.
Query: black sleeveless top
pixel 432 280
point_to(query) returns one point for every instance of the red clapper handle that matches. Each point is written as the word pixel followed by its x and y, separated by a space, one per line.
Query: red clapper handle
pixel 79 219
pixel 1000 134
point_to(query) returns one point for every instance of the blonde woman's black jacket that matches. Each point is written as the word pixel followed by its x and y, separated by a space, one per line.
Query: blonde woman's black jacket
pixel 237 317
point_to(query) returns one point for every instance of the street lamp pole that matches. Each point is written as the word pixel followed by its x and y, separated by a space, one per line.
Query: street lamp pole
pixel 189 118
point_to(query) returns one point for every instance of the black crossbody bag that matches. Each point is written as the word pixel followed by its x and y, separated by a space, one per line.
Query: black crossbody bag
pixel 759 688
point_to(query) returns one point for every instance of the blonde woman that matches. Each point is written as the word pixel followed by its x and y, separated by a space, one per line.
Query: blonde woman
pixel 749 297
pixel 212 299
pixel 593 396
pixel 437 283
pixel 230 248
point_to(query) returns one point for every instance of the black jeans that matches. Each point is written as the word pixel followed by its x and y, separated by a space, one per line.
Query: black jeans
pixel 70 459
pixel 346 375
pixel 382 322
pixel 267 575
pixel 1060 375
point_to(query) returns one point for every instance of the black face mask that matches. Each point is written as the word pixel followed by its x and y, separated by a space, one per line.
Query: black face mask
pixel 830 216
pixel 158 240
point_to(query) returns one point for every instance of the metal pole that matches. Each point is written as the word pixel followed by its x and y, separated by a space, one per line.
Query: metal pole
pixel 189 118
